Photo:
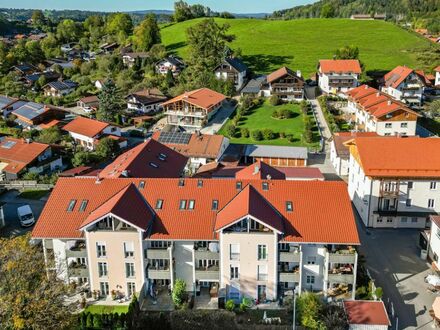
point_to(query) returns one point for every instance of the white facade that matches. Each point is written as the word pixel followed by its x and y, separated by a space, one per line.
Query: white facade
pixel 409 91
pixel 88 142
pixel 434 243
pixel 437 78
pixel 367 327
pixel 341 165
pixel 389 203
pixel 337 83
pixel 133 104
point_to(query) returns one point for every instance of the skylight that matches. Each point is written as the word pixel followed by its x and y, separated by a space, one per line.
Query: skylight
pixel 83 205
pixel 191 204
pixel 71 205
pixel 289 206
pixel 159 204
pixel 181 182
pixel 238 185
pixel 214 206
pixel 265 186
pixel 182 204
pixel 153 165
pixel 141 185
pixel 200 183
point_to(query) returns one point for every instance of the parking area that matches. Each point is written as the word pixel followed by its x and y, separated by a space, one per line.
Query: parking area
pixel 393 260
pixel 12 202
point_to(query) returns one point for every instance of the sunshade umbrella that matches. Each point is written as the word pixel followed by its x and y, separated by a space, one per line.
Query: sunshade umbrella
pixel 436 307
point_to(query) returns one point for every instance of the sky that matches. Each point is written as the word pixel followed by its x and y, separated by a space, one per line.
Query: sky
pixel 234 6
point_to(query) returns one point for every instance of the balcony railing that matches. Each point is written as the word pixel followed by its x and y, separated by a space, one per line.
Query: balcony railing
pixel 341 278
pixel 204 254
pixel 78 270
pixel 159 274
pixel 289 277
pixel 158 253
pixel 198 114
pixel 342 257
pixel 290 256
pixel 77 251
pixel 207 273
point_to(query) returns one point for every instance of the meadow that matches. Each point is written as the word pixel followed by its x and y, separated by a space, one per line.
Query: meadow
pixel 299 44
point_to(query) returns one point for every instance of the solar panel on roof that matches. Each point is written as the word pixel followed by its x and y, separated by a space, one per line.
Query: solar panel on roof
pixel 8 144
pixel 174 138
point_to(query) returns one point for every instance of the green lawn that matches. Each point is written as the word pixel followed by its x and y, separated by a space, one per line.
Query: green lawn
pixel 106 309
pixel 261 118
pixel 266 45
pixel 33 194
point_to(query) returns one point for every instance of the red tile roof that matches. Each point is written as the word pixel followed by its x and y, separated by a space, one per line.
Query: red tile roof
pixel 18 154
pixel 340 66
pixel 128 204
pixel 204 98
pixel 301 173
pixel 259 170
pixel 341 137
pixel 437 69
pixel 150 159
pixel 279 74
pixel 85 126
pixel 398 157
pixel 77 171
pixel 366 312
pixel 322 210
pixel 435 219
pixel 396 76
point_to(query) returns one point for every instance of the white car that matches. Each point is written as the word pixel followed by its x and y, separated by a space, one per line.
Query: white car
pixel 25 215
pixel 88 109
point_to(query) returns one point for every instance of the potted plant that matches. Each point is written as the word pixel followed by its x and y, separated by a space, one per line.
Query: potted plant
pixel 83 303
pixel 95 294
pixel 113 294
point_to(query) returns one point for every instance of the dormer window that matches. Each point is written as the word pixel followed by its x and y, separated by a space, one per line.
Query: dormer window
pixel 141 185
pixel 289 206
pixel 71 205
pixel 265 186
pixel 159 204
pixel 238 185
pixel 200 183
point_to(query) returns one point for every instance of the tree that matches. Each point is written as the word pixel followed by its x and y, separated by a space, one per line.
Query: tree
pixel 334 317
pixel 81 158
pixel 30 297
pixel 50 46
pixel 179 292
pixel 50 135
pixel 34 51
pixel 38 19
pixel 274 100
pixel 182 11
pixel 347 53
pixel 434 108
pixel 109 101
pixel 327 11
pixel 257 135
pixel 68 30
pixel 309 309
pixel 107 147
pixel 146 34
pixel 230 129
pixel 119 25
pixel 268 134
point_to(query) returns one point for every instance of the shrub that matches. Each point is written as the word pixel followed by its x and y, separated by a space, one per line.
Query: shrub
pixel 378 293
pixel 274 100
pixel 230 130
pixel 304 107
pixel 89 322
pixel 97 321
pixel 286 113
pixel 309 310
pixel 244 132
pixel 282 135
pixel 230 305
pixel 268 134
pixel 179 292
pixel 257 135
pixel 275 114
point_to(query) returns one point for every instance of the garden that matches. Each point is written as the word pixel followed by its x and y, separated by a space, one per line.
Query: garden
pixel 271 122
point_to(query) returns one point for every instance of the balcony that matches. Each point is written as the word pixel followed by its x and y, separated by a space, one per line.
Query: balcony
pixel 205 254
pixel 289 277
pixel 208 273
pixel 159 274
pixel 196 114
pixel 342 257
pixel 341 278
pixel 290 257
pixel 158 254
pixel 77 251
pixel 78 270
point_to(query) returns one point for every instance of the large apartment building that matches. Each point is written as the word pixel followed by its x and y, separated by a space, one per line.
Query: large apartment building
pixel 394 182
pixel 240 238
pixel 377 112
pixel 192 110
pixel 338 76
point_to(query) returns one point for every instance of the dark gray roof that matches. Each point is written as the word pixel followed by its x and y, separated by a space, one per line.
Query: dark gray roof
pixel 61 85
pixel 254 150
pixel 35 76
pixel 24 67
pixel 5 100
pixel 236 63
pixel 173 60
pixel 254 85
pixel 30 110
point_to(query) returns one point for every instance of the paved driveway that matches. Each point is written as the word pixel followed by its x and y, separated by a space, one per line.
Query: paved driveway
pixel 13 227
pixel 393 259
pixel 219 119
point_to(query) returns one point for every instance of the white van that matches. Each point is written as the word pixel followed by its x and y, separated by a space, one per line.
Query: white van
pixel 25 216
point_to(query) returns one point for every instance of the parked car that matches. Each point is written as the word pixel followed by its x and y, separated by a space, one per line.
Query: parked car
pixel 25 215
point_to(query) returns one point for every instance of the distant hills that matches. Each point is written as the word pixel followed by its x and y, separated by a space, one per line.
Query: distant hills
pixel 171 12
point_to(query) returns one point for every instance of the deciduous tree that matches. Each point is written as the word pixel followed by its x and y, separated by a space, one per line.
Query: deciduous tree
pixel 146 34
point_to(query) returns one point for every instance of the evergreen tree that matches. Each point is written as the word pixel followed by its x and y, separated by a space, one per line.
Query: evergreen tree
pixel 109 101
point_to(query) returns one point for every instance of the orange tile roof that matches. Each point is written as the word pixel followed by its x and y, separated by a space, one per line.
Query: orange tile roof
pixel 260 170
pixel 19 154
pixel 437 69
pixel 366 312
pixel 322 210
pixel 398 157
pixel 204 98
pixel 146 161
pixel 396 76
pixel 279 74
pixel 340 66
pixel 85 126
pixel 51 123
pixel 340 138
pixel 199 145
pixel 127 204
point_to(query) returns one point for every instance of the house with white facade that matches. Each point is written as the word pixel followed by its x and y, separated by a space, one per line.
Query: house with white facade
pixel 170 63
pixel 378 112
pixel 284 83
pixel 394 182
pixel 338 76
pixel 437 76
pixel 148 100
pixel 258 239
pixel 404 84
pixel 232 69
pixel 59 88
pixel 434 241
pixel 87 132
pixel 130 58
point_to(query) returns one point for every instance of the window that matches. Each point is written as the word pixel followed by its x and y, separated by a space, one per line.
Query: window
pixel 414 219
pixel 129 249
pixel 387 134
pixel 403 125
pixel 131 289
pixel 200 183
pixel 265 186
pixel 262 252
pixel 104 288
pixel 100 250
pixel 141 185
pixel 182 204
pixel 238 185
pixel 214 206
pixel 191 204
pixel 431 203
pixel 234 250
pixel 310 279
pixel 389 220
pixel 289 206
pixel 388 125
pixel 234 273
pixel 403 219
pixel 102 269
pixel 379 220
pixel 159 204
pixel 181 183
pixel 433 185
pixel 408 202
pixel 71 205
pixel 83 205
pixel 410 184
pixel 129 269
pixel 262 273
pixel 311 260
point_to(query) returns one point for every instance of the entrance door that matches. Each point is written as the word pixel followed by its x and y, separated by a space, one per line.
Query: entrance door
pixel 261 293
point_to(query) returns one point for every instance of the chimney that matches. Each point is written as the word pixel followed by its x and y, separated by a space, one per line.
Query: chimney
pixel 389 102
pixel 378 94
pixel 124 173
pixel 256 169
pixel 366 86
pixel 298 73
pixel 98 180
pixel 28 140
pixel 268 177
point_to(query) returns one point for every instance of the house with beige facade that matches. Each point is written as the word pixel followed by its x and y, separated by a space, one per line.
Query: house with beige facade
pixel 232 238
pixel 338 76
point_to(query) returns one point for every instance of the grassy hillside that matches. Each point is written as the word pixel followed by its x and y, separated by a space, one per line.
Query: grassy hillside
pixel 299 44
